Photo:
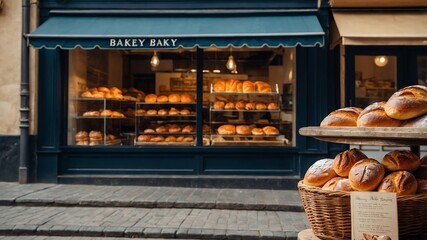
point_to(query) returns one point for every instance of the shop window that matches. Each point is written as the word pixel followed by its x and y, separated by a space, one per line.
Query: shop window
pixel 123 98
pixel 375 79
pixel 422 70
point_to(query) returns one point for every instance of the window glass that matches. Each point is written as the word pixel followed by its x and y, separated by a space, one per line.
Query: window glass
pixel 148 98
pixel 375 79
pixel 422 70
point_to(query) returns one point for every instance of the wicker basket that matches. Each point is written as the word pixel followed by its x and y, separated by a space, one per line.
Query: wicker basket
pixel 329 213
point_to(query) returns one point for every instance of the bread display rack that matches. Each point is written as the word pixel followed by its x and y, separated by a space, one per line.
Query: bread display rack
pixel 105 116
pixel 329 212
pixel 258 118
pixel 155 115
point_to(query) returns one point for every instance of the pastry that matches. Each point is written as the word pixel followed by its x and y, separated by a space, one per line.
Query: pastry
pixel 162 112
pixel 161 129
pixel 188 129
pixel 366 175
pixel 257 131
pixel 115 91
pixel 162 99
pixel 187 98
pixel 98 95
pixel 103 89
pixel 86 94
pixel 319 173
pixel 345 160
pixel 170 139
pixel 95 136
pixel 152 112
pixel 106 113
pixel 229 106
pixel 149 130
pixel 338 184
pixel 343 117
pixel 243 130
pixel 144 138
pixel 140 111
pixel 151 98
pixel 91 114
pixel 270 130
pixel 227 129
pixel 173 111
pixel 173 97
pixel 408 102
pixel 400 182
pixel 180 138
pixel 401 160
pixel 240 105
pixel 231 85
pixel 262 87
pixel 117 114
pixel 260 106
pixel 157 139
pixel 219 86
pixel 219 105
pixel 206 128
pixel 185 112
pixel 272 106
pixel 375 116
pixel 250 106
pixel 188 139
pixel 174 128
pixel 248 87
pixel 82 136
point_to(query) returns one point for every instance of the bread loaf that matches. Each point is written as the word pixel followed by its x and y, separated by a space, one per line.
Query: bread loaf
pixel 218 105
pixel 338 184
pixel 262 87
pixel 240 105
pixel 219 86
pixel 229 106
pixel 231 85
pixel 343 117
pixel 375 116
pixel 270 130
pixel 401 160
pixel 408 102
pixel 319 173
pixel 227 129
pixel 400 182
pixel 366 175
pixel 173 97
pixel 248 87
pixel 151 98
pixel 144 138
pixel 243 130
pixel 260 106
pixel 187 98
pixel 345 160
pixel 422 186
pixel 419 122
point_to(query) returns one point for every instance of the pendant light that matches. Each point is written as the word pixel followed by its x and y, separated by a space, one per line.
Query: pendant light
pixel 155 61
pixel 381 61
pixel 231 65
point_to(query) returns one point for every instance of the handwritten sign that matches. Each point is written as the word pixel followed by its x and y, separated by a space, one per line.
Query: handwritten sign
pixel 374 216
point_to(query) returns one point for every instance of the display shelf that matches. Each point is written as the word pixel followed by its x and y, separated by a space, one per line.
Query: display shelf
pixel 244 110
pixel 166 103
pixel 168 133
pixel 249 140
pixel 275 91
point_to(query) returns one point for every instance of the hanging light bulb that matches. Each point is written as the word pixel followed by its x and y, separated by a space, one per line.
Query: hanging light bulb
pixel 230 63
pixel 381 61
pixel 155 61
pixel 234 71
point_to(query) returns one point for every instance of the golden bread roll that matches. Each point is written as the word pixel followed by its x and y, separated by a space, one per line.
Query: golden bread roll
pixel 180 138
pixel 144 138
pixel 206 128
pixel 174 128
pixel 188 139
pixel 162 99
pixel 248 87
pixel 161 129
pixel 151 98
pixel 108 95
pixel 98 95
pixel 149 130
pixel 140 112
pixel 219 105
pixel 374 116
pixel 82 136
pixel 187 98
pixel 422 186
pixel 419 122
pixel 115 90
pixel 421 172
pixel 106 113
pixel 185 112
pixel 170 139
pixel 103 89
pixel 173 111
pixel 243 130
pixel 229 106
pixel 319 173
pixel 262 87
pixel 270 130
pixel 400 182
pixel 188 129
pixel 272 106
pixel 260 106
pixel 117 114
pixel 338 184
pixel 157 139
pixel 408 102
pixel 91 114
pixel 231 85
pixel 257 131
pixel 86 94
pixel 401 160
pixel 173 97
pixel 162 112
pixel 240 105
pixel 151 112
pixel 117 96
pixel 366 175
pixel 95 135
pixel 227 129
pixel 250 106
pixel 345 160
pixel 219 86
pixel 239 86
pixel 343 117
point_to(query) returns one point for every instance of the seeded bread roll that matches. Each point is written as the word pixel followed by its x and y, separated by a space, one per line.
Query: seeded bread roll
pixel 375 116
pixel 343 117
pixel 401 160
pixel 338 184
pixel 366 175
pixel 345 160
pixel 320 172
pixel 408 102
pixel 400 182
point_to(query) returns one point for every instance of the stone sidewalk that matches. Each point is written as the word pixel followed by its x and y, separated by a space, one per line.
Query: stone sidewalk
pixel 91 211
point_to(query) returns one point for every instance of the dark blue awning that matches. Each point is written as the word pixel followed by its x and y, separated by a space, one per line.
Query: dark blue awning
pixel 170 32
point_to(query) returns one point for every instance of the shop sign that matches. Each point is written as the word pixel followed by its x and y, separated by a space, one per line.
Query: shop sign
pixel 143 42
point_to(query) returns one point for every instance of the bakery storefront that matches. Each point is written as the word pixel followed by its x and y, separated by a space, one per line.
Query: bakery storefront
pixel 196 91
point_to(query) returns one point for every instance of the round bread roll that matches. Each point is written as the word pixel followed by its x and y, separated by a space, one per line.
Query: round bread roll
pixel 188 139
pixel 151 98
pixel 105 113
pixel 250 106
pixel 161 129
pixel 345 160
pixel 421 172
pixel 400 182
pixel 188 129
pixel 338 184
pixel 144 138
pixel 174 128
pixel 257 131
pixel 91 114
pixel 227 129
pixel 422 186
pixel 231 85
pixel 162 99
pixel 117 114
pixel 401 160
pixel 108 95
pixel 149 130
pixel 180 138
pixel 174 111
pixel 157 139
pixel 229 106
pixel 185 112
pixel 86 94
pixel 272 106
pixel 162 112
pixel 262 87
pixel 141 112
pixel 115 90
pixel 408 102
pixel 98 95
pixel 173 97
pixel 103 89
pixel 151 112
pixel 170 139
pixel 219 105
pixel 82 136
pixel 419 122
pixel 319 173
pixel 343 117
pixel 375 116
pixel 243 130
pixel 260 106
pixel 248 87
pixel 366 175
pixel 187 98
pixel 219 86
pixel 95 135
pixel 270 130
pixel 240 105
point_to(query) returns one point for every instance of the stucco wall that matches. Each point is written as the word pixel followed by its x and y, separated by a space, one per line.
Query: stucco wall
pixel 10 67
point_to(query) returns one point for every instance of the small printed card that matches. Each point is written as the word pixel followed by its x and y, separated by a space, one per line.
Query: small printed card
pixel 374 216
